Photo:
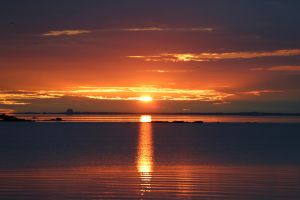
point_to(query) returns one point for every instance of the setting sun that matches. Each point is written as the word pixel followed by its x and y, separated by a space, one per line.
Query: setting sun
pixel 146 99
pixel 145 118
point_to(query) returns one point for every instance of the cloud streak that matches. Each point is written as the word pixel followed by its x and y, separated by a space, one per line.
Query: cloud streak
pixel 6 111
pixel 22 97
pixel 278 68
pixel 215 97
pixel 166 71
pixel 159 29
pixel 76 32
pixel 208 56
pixel 261 92
pixel 57 33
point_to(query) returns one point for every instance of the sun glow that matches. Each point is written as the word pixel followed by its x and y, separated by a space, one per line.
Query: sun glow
pixel 146 99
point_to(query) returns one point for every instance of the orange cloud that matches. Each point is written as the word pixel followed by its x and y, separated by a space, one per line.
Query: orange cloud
pixel 6 111
pixel 207 56
pixel 167 71
pixel 57 33
pixel 12 102
pixel 279 68
pixel 19 97
pixel 134 93
pixel 166 29
pixel 22 97
pixel 261 92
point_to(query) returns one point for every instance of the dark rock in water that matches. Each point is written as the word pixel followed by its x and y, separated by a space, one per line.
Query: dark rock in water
pixel 179 122
pixel 200 122
pixel 7 118
pixel 58 119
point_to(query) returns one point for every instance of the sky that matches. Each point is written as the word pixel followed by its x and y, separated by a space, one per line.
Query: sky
pixel 187 55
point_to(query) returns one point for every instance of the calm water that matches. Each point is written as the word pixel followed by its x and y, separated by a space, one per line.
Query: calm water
pixel 149 161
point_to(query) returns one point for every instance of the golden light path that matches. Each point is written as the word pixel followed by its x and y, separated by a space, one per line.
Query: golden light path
pixel 145 154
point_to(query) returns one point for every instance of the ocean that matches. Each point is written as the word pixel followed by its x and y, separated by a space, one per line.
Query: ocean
pixel 142 160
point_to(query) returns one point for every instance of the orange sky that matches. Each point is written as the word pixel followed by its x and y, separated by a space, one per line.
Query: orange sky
pixel 99 56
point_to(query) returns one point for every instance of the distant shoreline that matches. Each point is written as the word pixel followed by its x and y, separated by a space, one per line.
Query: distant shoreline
pixel 165 113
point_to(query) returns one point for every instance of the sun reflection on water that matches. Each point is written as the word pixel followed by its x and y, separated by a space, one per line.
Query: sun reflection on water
pixel 145 154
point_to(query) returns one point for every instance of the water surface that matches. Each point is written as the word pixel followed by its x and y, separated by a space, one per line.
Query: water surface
pixel 149 161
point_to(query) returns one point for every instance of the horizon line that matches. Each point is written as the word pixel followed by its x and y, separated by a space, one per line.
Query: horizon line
pixel 253 113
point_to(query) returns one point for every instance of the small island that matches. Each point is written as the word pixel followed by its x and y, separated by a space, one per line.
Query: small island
pixel 8 118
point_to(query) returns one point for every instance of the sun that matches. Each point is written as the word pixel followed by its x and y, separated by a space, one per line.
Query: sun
pixel 145 118
pixel 146 99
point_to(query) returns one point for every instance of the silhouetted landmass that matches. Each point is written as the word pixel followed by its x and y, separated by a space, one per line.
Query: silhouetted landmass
pixel 178 121
pixel 58 119
pixel 8 118
pixel 199 122
pixel 160 122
